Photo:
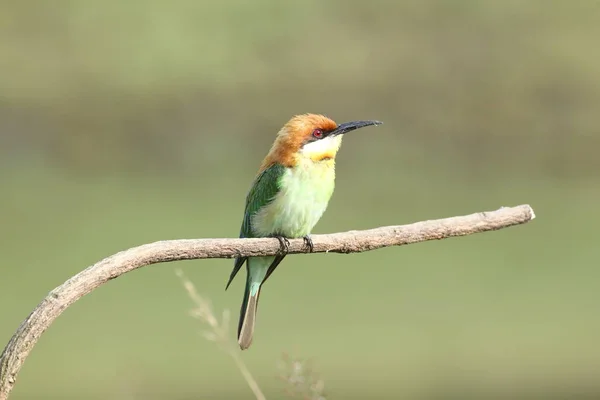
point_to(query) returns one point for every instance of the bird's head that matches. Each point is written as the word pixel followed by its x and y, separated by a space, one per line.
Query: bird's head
pixel 310 136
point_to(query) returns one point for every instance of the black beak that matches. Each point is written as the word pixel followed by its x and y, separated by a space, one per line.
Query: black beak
pixel 351 126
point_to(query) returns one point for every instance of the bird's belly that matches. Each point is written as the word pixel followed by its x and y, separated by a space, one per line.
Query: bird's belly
pixel 302 200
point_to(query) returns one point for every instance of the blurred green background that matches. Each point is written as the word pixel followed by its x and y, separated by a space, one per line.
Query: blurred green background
pixel 123 123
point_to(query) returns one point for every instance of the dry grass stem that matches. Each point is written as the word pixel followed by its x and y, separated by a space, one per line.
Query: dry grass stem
pixel 218 331
pixel 301 379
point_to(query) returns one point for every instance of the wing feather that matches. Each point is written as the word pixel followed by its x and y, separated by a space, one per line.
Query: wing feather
pixel 263 191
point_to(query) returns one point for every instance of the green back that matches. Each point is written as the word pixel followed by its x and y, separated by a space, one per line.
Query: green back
pixel 264 189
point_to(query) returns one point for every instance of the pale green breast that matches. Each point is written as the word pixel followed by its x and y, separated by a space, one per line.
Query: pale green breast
pixel 302 200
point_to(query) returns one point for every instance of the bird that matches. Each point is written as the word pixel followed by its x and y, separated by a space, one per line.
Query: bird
pixel 287 198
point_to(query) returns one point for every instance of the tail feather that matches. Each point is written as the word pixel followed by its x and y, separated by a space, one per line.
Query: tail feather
pixel 259 269
pixel 248 315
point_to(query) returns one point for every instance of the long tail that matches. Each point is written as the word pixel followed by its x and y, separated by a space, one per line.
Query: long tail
pixel 248 314
pixel 259 269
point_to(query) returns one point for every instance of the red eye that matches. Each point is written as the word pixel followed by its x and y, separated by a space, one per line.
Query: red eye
pixel 317 133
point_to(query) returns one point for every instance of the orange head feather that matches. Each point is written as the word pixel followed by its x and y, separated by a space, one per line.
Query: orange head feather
pixel 293 136
pixel 309 137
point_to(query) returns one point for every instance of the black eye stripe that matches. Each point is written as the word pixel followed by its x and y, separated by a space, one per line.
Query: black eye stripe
pixel 318 134
pixel 311 138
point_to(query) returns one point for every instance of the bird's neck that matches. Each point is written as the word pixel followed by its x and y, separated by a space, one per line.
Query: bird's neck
pixel 315 163
pixel 323 150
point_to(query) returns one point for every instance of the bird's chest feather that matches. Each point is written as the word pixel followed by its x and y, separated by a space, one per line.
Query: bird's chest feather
pixel 303 197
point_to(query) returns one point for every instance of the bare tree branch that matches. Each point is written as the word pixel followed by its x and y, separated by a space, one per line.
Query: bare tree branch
pixel 26 336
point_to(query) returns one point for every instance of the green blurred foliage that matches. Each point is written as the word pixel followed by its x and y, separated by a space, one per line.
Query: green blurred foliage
pixel 128 122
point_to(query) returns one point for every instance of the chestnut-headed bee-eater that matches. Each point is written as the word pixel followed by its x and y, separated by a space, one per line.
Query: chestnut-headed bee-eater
pixel 287 198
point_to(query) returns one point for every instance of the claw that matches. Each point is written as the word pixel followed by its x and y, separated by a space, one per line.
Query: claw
pixel 284 244
pixel 309 243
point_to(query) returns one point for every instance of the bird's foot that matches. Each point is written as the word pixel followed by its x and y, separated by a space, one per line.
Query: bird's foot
pixel 284 244
pixel 309 243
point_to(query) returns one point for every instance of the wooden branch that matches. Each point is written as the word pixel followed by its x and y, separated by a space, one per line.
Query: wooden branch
pixel 30 330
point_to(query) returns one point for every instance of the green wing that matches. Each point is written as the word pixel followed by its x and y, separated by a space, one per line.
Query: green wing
pixel 265 188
